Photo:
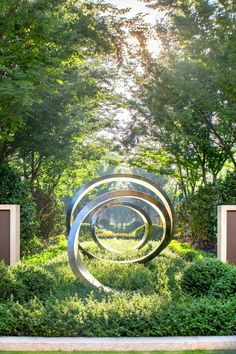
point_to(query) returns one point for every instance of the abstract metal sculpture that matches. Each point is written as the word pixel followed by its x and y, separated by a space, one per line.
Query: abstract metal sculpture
pixel 158 200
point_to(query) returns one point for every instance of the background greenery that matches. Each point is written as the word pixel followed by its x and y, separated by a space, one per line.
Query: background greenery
pixel 61 66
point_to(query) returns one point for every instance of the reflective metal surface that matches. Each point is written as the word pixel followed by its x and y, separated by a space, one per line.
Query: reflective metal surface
pixel 161 204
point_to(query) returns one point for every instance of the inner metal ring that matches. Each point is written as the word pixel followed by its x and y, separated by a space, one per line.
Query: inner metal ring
pixel 140 211
pixel 75 259
pixel 157 206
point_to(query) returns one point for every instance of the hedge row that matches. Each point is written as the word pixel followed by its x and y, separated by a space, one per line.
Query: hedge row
pixel 177 296
pixel 118 316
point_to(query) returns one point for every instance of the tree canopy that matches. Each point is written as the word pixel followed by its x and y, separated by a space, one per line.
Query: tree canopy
pixel 188 93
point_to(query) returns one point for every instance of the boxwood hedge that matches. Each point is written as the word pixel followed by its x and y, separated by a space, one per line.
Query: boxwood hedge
pixel 175 296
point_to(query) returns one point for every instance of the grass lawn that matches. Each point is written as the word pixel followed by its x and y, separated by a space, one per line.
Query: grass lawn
pixel 182 292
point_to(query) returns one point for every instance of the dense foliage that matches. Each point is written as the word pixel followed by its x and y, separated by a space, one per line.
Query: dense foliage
pixel 168 303
pixel 15 191
pixel 52 41
pixel 210 277
pixel 157 231
pixel 188 92
pixel 184 106
pixel 198 215
pixel 24 281
pixel 51 92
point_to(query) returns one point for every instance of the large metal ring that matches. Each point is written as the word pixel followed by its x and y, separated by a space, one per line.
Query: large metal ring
pixel 142 181
pixel 160 203
pixel 140 211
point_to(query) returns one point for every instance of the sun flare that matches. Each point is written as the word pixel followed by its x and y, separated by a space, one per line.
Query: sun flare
pixel 154 46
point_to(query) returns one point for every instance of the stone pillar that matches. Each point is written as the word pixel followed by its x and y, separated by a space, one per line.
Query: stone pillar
pixel 226 233
pixel 10 233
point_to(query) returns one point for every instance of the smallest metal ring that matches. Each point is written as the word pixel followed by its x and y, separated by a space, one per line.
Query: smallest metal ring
pixel 145 217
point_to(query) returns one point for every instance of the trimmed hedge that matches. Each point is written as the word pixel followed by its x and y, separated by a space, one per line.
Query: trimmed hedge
pixel 118 316
pixel 210 277
pixel 176 297
pixel 24 282
pixel 7 282
pixel 186 251
pixel 157 231
pixel 32 281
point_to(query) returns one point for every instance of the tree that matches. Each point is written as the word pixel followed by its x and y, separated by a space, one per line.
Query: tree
pixel 51 87
pixel 52 41
pixel 187 95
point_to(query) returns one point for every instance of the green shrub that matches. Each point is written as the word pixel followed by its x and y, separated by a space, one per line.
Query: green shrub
pixel 134 315
pixel 118 315
pixel 23 282
pixel 161 309
pixel 21 319
pixel 59 246
pixel 208 276
pixel 121 276
pixel 157 231
pixel 7 282
pixel 197 218
pixel 186 251
pixel 31 281
pixel 85 233
pixel 50 214
pixel 15 191
pixel 197 317
pixel 225 286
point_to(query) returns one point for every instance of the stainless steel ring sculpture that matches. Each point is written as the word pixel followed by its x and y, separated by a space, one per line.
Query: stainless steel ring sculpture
pixel 158 200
